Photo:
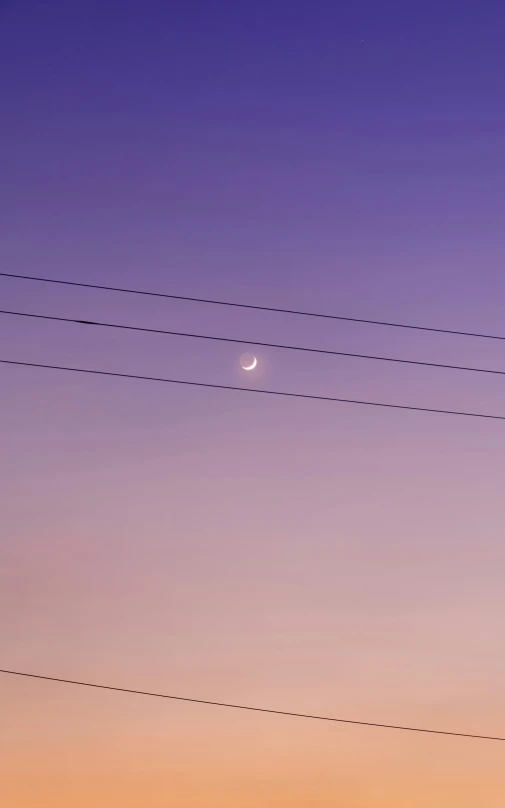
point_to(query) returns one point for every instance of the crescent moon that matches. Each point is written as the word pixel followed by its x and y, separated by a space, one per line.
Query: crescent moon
pixel 250 367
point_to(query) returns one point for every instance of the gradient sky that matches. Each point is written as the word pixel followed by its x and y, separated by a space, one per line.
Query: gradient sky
pixel 346 158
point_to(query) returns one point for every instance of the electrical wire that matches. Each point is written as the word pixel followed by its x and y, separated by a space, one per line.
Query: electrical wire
pixel 251 306
pixel 254 390
pixel 253 342
pixel 254 709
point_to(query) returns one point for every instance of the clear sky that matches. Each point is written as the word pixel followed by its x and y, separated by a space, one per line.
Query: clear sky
pixel 340 157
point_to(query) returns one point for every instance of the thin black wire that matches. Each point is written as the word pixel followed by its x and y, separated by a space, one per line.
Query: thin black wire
pixel 254 709
pixel 250 306
pixel 255 342
pixel 253 390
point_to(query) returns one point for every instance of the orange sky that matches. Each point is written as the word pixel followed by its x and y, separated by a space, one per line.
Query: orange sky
pixel 101 750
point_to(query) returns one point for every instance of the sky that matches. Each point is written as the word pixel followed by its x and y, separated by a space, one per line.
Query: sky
pixel 298 555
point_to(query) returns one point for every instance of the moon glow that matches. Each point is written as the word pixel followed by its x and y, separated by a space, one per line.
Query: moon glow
pixel 248 362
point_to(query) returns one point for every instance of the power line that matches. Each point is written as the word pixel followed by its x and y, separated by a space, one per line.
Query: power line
pixel 284 347
pixel 253 709
pixel 254 390
pixel 251 306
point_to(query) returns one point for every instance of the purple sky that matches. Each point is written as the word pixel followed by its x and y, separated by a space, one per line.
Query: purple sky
pixel 345 158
